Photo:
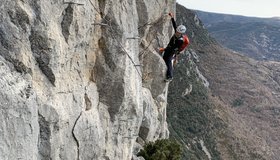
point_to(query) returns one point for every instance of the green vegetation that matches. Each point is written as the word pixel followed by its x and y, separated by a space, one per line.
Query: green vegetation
pixel 191 118
pixel 238 102
pixel 163 149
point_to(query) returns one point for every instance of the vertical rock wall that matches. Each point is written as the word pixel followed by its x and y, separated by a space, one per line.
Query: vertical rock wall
pixel 81 79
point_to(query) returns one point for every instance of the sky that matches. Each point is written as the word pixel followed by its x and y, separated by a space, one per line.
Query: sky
pixel 252 8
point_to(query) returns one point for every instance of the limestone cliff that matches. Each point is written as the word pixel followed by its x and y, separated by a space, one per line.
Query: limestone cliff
pixel 81 79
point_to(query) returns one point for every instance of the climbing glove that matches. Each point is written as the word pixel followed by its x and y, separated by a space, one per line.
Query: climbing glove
pixel 161 50
pixel 171 15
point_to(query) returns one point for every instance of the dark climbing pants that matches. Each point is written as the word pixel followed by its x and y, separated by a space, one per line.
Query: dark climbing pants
pixel 168 61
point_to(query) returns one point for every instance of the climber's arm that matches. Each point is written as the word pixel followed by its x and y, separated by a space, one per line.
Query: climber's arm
pixel 173 21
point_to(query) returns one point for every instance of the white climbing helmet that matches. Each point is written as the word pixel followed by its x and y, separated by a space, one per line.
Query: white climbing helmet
pixel 181 29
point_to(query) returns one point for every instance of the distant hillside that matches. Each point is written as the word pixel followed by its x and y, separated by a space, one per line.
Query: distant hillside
pixel 237 116
pixel 209 18
pixel 258 38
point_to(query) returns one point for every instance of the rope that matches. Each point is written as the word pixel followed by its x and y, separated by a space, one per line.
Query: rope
pixel 114 37
pixel 157 22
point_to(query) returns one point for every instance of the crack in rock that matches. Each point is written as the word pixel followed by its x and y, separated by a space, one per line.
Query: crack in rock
pixel 67 21
pixel 74 136
pixel 40 50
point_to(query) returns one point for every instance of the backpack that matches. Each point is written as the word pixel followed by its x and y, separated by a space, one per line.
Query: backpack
pixel 186 42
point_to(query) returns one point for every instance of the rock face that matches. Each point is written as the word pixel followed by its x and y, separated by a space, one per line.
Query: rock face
pixel 81 79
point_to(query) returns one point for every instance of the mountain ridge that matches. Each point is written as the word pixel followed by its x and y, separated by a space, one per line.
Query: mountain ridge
pixel 257 38
pixel 213 17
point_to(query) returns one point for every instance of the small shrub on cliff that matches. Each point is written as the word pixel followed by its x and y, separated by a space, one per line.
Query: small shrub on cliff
pixel 238 102
pixel 163 149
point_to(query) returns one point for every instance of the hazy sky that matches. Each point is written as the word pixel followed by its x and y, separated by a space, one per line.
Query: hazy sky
pixel 256 8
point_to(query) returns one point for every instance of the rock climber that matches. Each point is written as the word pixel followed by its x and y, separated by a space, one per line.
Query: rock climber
pixel 176 44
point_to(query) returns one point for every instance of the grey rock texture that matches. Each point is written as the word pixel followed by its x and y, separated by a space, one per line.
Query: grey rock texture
pixel 19 127
pixel 81 79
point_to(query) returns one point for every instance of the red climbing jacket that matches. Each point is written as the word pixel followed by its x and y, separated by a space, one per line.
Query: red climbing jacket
pixel 186 42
